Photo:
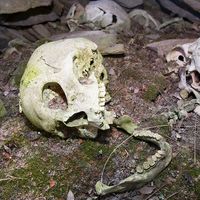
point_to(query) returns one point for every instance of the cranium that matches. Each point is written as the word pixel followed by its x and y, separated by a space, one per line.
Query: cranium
pixel 102 14
pixel 187 57
pixel 65 84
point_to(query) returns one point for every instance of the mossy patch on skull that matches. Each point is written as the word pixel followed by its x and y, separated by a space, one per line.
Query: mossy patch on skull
pixel 29 75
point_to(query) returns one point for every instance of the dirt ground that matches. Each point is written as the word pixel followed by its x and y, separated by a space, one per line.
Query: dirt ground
pixel 36 165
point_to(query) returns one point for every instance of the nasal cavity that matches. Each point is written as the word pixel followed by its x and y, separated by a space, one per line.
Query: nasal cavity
pixel 54 96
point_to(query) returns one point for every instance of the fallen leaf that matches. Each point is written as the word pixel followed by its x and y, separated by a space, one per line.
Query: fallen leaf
pixel 52 183
pixel 70 195
pixel 146 190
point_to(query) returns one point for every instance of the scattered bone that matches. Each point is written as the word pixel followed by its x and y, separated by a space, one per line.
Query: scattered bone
pixel 106 42
pixel 102 14
pixel 164 47
pixel 197 110
pixel 148 18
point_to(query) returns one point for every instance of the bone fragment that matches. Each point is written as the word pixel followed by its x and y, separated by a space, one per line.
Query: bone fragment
pixel 143 173
pixel 106 42
pixel 163 47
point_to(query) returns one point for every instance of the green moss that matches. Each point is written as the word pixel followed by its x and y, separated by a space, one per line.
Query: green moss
pixel 161 122
pixel 17 139
pixel 68 172
pixel 91 149
pixel 2 109
pixel 30 74
pixel 151 93
pixel 153 90
pixel 184 174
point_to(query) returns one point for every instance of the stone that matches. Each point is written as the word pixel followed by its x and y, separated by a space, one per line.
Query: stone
pixel 129 3
pixel 41 30
pixel 181 9
pixel 15 6
pixel 58 7
pixel 34 16
pixel 3 42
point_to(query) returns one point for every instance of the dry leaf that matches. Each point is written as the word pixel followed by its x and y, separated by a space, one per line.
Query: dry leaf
pixel 52 183
pixel 146 190
pixel 70 195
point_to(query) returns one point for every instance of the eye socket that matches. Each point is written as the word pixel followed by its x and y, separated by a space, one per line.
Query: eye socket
pixel 181 58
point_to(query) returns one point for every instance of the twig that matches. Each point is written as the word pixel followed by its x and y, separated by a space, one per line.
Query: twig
pixel 175 193
pixel 156 191
pixel 11 178
pixel 195 141
pixel 169 22
pixel 5 179
pixel 102 173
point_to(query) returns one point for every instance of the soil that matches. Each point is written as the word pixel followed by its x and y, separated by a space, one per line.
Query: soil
pixel 36 165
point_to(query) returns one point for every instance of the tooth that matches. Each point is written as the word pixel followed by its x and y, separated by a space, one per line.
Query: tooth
pixel 154 158
pixel 162 153
pixel 139 169
pixel 102 104
pixel 102 99
pixel 158 155
pixel 151 162
pixel 101 108
pixel 102 93
pixel 146 165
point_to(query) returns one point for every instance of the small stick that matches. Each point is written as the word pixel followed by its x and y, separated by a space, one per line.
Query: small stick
pixel 156 191
pixel 175 193
pixel 195 142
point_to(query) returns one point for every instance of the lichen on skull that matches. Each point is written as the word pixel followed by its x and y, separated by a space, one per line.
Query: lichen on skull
pixel 68 90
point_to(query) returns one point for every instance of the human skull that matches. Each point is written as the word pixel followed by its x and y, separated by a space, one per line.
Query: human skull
pixel 102 14
pixel 65 84
pixel 187 56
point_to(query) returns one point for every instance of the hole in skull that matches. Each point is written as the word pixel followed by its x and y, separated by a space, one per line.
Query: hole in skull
pixel 195 80
pixel 54 96
pixel 181 58
pixel 76 118
pixel 114 19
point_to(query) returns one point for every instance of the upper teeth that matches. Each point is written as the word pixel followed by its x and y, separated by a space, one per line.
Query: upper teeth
pixel 102 93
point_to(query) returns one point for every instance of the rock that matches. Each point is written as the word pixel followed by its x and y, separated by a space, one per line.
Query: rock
pixel 34 16
pixel 2 109
pixel 3 42
pixel 165 46
pixel 41 30
pixel 182 9
pixel 129 3
pixel 14 6
pixel 58 7
pixel 107 42
pixel 194 4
